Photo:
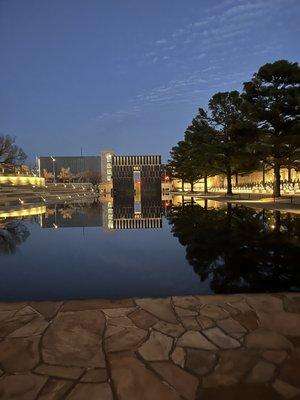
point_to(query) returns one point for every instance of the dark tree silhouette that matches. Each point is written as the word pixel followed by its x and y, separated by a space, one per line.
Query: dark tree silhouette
pixel 10 153
pixel 273 103
pixel 12 235
pixel 200 135
pixel 240 249
pixel 184 164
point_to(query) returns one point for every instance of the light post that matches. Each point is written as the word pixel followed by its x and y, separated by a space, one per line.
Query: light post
pixel 53 168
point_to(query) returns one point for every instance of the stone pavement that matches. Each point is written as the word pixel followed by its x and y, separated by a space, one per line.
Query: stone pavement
pixel 194 347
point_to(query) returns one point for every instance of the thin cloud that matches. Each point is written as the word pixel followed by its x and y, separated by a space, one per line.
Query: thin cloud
pixel 161 41
pixel 228 20
pixel 215 37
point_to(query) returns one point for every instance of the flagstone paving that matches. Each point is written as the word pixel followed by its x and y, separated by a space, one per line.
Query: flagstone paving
pixel 175 348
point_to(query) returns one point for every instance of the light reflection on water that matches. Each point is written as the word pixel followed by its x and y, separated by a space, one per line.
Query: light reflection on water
pixel 155 248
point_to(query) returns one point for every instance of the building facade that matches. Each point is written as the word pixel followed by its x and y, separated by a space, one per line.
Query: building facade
pixel 78 165
pixel 125 174
pixel 133 173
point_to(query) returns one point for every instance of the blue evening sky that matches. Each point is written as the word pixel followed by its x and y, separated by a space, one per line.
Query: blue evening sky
pixel 128 74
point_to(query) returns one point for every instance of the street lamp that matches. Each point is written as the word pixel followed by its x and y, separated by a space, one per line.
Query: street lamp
pixel 53 168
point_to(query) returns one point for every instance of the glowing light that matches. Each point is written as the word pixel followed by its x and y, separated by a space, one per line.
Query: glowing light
pixel 22 180
pixel 24 212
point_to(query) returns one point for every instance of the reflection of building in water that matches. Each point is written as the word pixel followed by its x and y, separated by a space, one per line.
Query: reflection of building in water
pixel 130 213
pixel 72 216
pixel 107 215
pixel 122 213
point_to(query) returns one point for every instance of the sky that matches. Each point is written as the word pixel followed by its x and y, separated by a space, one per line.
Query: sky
pixel 129 75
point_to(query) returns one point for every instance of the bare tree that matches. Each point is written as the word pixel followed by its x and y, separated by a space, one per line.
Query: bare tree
pixel 65 175
pixel 47 175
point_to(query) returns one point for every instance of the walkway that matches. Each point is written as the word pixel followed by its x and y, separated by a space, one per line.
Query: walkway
pixel 195 347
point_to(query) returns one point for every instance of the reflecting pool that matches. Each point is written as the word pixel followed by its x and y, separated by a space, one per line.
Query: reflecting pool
pixel 124 248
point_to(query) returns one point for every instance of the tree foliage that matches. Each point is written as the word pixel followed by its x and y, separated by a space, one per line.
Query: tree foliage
pixel 47 175
pixel 200 136
pixel 240 132
pixel 10 153
pixel 183 164
pixel 232 136
pixel 220 140
pixel 273 103
pixel 65 175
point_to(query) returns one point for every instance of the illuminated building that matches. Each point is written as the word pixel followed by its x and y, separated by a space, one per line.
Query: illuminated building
pixel 134 173
pixel 123 173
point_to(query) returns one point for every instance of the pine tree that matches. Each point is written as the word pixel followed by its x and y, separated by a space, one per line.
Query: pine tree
pixel 273 103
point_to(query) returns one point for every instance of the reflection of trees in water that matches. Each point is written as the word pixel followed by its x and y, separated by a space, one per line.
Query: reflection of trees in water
pixel 69 210
pixel 49 212
pixel 239 249
pixel 12 234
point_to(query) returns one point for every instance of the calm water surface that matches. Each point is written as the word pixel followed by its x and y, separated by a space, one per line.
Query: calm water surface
pixel 152 248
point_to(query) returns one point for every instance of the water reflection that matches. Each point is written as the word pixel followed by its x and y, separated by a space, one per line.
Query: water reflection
pixel 126 212
pixel 232 248
pixel 12 234
pixel 134 212
pixel 72 215
pixel 239 249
